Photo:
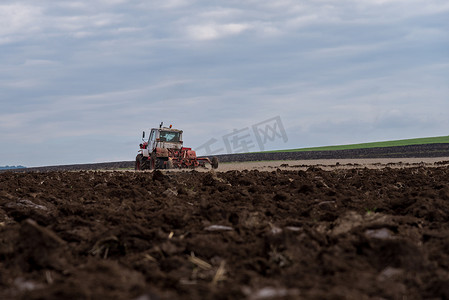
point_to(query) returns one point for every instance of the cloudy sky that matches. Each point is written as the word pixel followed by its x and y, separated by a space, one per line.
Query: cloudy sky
pixel 80 80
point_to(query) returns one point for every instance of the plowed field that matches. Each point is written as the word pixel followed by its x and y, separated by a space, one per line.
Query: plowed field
pixel 349 233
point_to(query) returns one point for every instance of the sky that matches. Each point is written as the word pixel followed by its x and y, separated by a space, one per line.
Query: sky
pixel 81 80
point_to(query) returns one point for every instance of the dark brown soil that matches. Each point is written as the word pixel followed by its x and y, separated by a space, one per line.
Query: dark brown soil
pixel 344 234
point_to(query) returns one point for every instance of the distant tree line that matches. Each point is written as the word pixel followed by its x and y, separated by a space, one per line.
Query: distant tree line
pixel 11 167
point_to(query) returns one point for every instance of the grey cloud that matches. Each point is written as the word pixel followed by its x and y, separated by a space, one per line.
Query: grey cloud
pixel 76 70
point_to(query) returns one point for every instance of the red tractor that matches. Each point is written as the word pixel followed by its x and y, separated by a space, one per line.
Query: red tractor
pixel 164 150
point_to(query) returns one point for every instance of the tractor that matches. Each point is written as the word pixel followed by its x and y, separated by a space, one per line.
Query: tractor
pixel 164 150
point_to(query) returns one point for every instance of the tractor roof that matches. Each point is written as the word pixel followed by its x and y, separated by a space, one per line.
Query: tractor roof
pixel 168 129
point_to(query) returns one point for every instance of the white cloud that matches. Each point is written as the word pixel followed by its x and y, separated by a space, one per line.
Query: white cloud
pixel 166 4
pixel 128 29
pixel 221 13
pixel 83 34
pixel 113 2
pixel 215 31
pixel 346 50
pixel 20 84
pixel 72 4
pixel 426 34
pixel 38 62
pixel 79 22
pixel 17 19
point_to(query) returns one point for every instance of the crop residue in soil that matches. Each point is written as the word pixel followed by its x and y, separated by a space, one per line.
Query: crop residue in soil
pixel 343 234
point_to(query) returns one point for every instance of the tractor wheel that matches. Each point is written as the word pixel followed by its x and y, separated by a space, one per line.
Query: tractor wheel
pixel 138 163
pixel 152 162
pixel 142 163
pixel 214 162
pixel 149 164
pixel 169 164
pixel 159 163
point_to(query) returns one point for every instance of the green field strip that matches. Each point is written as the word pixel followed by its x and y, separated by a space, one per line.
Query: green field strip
pixel 407 142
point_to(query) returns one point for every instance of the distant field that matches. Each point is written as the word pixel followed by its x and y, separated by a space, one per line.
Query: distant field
pixel 408 142
pixel 411 148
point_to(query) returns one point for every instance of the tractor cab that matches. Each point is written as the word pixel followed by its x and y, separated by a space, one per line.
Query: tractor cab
pixel 164 137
